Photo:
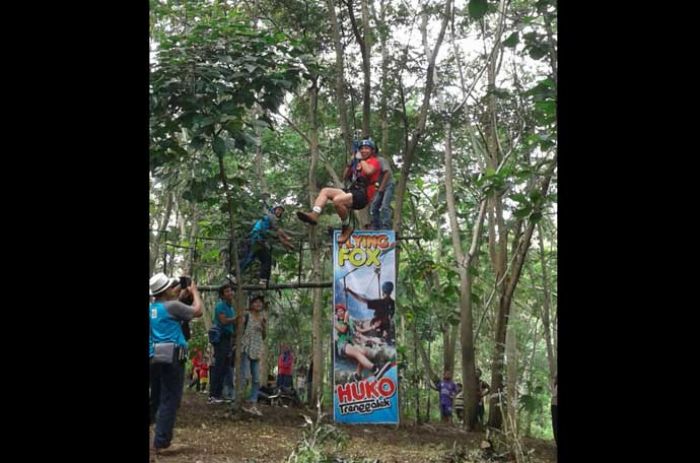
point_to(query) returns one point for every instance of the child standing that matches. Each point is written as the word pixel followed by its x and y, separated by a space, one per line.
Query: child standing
pixel 448 391
pixel 204 375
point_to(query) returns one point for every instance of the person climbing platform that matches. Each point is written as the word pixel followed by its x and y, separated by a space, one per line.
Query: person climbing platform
pixel 258 247
pixel 360 193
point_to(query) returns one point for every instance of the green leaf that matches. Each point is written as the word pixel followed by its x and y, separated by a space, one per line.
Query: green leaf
pixel 535 196
pixel 538 53
pixel 477 8
pixel 512 40
pixel 197 143
pixel 228 107
pixel 522 213
pixel 219 146
pixel 519 197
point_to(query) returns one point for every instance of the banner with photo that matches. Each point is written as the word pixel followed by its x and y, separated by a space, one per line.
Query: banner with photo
pixel 365 377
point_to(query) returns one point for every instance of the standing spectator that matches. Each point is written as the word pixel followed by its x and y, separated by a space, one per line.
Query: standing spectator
pixel 194 376
pixel 448 391
pixel 285 367
pixel 168 352
pixel 252 345
pixel 204 373
pixel 484 389
pixel 225 319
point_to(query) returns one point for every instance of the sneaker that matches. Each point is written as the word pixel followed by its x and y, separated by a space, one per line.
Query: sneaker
pixel 346 231
pixel 215 400
pixel 308 217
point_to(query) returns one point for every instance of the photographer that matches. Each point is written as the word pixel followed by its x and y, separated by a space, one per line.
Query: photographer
pixel 168 352
pixel 186 298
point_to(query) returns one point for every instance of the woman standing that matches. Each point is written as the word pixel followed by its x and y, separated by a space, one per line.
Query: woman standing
pixel 252 348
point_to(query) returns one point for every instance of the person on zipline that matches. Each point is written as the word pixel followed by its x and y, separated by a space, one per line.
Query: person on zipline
pixel 257 246
pixel 361 191
pixel 383 308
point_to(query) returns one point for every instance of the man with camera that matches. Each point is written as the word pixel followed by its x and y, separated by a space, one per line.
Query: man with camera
pixel 168 352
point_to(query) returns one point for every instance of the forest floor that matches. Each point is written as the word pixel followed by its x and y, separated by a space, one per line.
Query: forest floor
pixel 212 434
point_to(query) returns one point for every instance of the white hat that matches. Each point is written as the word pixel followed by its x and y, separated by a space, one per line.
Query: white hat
pixel 159 283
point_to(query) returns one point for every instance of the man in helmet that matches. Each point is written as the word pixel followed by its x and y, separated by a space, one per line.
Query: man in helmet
pixel 380 208
pixel 384 309
pixel 361 192
pixel 257 246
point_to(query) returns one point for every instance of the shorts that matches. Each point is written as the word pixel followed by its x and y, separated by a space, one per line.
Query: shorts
pixel 445 409
pixel 340 348
pixel 359 198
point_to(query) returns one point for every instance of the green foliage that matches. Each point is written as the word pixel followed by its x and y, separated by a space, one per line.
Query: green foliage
pixel 512 40
pixel 310 449
pixel 477 8
pixel 216 84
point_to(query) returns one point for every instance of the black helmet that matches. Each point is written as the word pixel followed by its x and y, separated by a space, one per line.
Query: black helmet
pixel 368 142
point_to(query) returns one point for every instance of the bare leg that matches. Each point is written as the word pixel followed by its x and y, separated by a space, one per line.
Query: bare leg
pixel 337 196
pixel 358 354
pixel 342 210
pixel 341 200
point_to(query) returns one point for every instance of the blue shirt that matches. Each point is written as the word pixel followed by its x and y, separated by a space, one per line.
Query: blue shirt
pixel 164 328
pixel 448 389
pixel 262 226
pixel 229 312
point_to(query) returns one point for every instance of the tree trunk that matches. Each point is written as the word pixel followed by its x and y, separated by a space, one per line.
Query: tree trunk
pixel 422 119
pixel 259 159
pixel 317 342
pixel 511 282
pixel 192 240
pixel 465 282
pixel 427 366
pixel 363 40
pixel 551 359
pixel 366 53
pixel 240 294
pixel 512 374
pixel 384 123
pixel 531 369
pixel 155 253
pixel 449 335
pixel 340 78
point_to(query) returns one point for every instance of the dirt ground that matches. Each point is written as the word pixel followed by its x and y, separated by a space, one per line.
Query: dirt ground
pixel 211 434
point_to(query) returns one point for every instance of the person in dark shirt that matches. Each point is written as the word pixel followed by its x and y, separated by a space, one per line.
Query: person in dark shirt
pixel 383 308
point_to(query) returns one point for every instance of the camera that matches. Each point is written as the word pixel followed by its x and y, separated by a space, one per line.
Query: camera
pixel 185 282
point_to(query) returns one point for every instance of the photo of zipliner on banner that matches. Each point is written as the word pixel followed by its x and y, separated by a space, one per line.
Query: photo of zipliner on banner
pixel 365 378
